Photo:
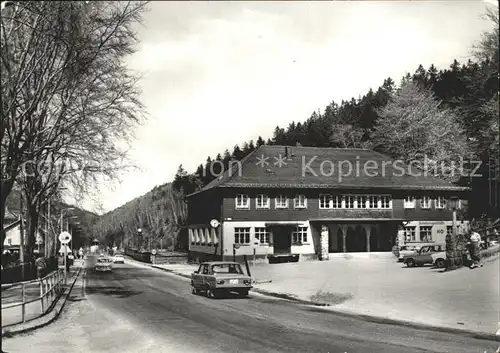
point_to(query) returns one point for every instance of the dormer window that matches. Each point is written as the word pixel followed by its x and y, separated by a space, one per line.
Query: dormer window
pixel 242 202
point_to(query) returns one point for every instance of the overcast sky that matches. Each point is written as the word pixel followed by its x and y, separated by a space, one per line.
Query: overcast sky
pixel 218 74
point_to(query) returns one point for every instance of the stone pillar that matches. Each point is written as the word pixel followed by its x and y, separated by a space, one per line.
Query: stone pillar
pixel 454 247
pixel 368 230
pixel 344 236
pixel 323 243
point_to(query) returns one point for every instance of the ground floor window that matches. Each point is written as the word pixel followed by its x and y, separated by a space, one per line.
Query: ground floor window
pixel 426 233
pixel 299 235
pixel 449 230
pixel 262 234
pixel 242 235
pixel 409 233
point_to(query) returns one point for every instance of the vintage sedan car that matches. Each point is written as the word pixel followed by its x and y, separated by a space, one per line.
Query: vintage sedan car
pixel 439 259
pixel 429 254
pixel 407 250
pixel 118 259
pixel 103 264
pixel 220 278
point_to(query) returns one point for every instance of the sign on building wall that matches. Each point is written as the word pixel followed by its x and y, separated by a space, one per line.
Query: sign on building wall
pixel 439 233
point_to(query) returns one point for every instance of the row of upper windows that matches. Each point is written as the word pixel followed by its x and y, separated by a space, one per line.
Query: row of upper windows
pixel 338 202
pixel 325 202
pixel 426 202
pixel 263 202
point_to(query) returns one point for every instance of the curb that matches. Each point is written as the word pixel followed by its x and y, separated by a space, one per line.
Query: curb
pixel 45 319
pixel 289 297
pixel 369 318
pixel 381 319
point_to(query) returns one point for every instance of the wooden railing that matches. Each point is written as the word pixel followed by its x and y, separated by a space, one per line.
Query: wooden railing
pixel 51 286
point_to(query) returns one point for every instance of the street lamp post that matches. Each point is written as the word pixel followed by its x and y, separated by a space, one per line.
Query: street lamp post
pixel 62 215
pixel 139 236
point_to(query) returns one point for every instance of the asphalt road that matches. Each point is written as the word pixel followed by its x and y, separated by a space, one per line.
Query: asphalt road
pixel 139 309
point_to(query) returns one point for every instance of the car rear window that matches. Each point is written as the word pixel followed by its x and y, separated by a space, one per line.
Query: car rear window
pixel 227 268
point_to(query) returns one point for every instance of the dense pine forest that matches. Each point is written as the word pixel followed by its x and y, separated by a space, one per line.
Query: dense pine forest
pixel 447 115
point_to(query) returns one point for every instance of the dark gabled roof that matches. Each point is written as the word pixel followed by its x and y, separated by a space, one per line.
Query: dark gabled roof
pixel 310 167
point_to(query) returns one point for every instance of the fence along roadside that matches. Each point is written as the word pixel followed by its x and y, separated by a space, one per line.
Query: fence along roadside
pixel 50 287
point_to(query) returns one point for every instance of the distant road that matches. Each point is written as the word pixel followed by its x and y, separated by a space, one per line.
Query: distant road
pixel 136 309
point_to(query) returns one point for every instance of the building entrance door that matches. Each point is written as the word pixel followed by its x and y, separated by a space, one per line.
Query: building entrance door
pixel 282 240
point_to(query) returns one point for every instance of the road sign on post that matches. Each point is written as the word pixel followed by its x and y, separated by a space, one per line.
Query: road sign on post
pixel 64 238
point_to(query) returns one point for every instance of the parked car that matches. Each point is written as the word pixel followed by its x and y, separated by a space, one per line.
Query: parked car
pixel 218 278
pixel 103 264
pixel 118 259
pixel 407 250
pixel 429 254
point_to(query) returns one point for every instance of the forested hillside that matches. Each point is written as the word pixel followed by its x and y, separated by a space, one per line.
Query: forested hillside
pixel 445 115
pixel 159 214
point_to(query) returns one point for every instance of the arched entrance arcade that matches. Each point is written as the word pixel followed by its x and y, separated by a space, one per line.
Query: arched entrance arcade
pixel 358 237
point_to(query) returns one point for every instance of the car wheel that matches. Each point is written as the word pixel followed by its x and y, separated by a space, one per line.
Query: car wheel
pixel 410 263
pixel 440 263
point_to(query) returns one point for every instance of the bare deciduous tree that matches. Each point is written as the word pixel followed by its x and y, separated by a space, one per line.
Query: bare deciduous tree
pixel 69 103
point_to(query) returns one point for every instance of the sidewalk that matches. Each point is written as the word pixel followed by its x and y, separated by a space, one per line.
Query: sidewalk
pixel 13 316
pixel 380 287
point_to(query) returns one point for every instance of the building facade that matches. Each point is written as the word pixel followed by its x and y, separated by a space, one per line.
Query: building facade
pixel 12 228
pixel 315 202
pixel 12 236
